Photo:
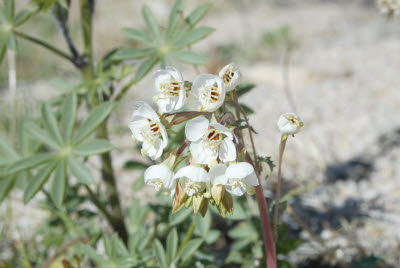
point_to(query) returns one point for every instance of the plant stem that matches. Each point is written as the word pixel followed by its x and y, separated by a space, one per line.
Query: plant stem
pixel 46 45
pixel 107 171
pixel 187 238
pixel 278 185
pixel 261 201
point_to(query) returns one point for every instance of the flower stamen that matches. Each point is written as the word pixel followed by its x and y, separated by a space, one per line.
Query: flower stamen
pixel 170 88
pixel 227 77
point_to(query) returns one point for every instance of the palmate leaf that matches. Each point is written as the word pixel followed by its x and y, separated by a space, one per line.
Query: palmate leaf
pixel 69 115
pixel 160 254
pixel 188 57
pixel 197 14
pixel 9 8
pixel 174 18
pixel 172 245
pixel 7 149
pixel 50 123
pixel 133 53
pixel 31 162
pixel 190 249
pixel 80 171
pixel 35 132
pixel 6 185
pixel 145 67
pixel 137 36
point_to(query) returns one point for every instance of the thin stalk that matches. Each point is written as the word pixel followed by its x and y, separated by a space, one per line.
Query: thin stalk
pixel 278 185
pixel 12 83
pixel 100 205
pixel 187 238
pixel 261 201
pixel 45 45
pixel 107 171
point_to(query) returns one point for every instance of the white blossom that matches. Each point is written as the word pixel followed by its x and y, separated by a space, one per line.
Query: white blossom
pixel 171 93
pixel 207 93
pixel 289 124
pixel 161 177
pixel 147 128
pixel 209 141
pixel 231 76
pixel 237 179
pixel 193 179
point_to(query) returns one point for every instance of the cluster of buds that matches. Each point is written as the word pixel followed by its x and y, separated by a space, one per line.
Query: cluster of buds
pixel 211 170
pixel 389 7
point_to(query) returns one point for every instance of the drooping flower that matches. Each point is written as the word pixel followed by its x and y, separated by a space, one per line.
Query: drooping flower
pixel 193 179
pixel 207 93
pixel 237 179
pixel 171 93
pixel 209 141
pixel 231 76
pixel 161 177
pixel 289 124
pixel 147 128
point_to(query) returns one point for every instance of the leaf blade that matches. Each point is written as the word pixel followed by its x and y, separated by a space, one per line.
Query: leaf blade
pixel 193 36
pixel 160 254
pixel 59 186
pixel 51 123
pixel 137 36
pixel 93 147
pixel 69 115
pixel 151 23
pixel 38 181
pixel 190 57
pixel 80 171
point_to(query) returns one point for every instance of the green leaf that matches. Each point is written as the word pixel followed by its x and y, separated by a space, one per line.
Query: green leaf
pixel 92 254
pixel 151 23
pixel 203 224
pixel 244 88
pixel 174 18
pixel 22 17
pixel 57 191
pixel 38 180
pixel 190 249
pixel 135 165
pixel 80 171
pixel 138 184
pixel 9 8
pixel 190 57
pixel 247 109
pixel 40 135
pixel 160 254
pixel 50 123
pixel 7 149
pixel 137 36
pixel 93 147
pixel 197 14
pixel 172 245
pixel 95 118
pixel 132 53
pixel 30 162
pixel 6 185
pixel 69 115
pixel 145 67
pixel 180 216
pixel 193 36
pixel 3 49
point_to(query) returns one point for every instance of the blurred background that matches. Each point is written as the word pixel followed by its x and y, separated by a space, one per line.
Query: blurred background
pixel 335 63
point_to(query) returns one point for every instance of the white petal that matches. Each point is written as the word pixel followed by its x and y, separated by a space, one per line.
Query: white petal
pixel 252 180
pixel 239 171
pixel 154 151
pixel 175 73
pixel 189 190
pixel 196 128
pixel 202 155
pixel 239 191
pixel 235 80
pixel 166 105
pixel 161 172
pixel 202 82
pixel 194 173
pixel 181 98
pixel 222 129
pixel 142 109
pixel 227 151
pixel 159 77
pixel 136 124
pixel 217 174
pixel 164 135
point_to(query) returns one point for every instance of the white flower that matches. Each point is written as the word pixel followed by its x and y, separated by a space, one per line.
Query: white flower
pixel 289 124
pixel 193 179
pixel 147 128
pixel 171 93
pixel 209 141
pixel 237 179
pixel 161 177
pixel 231 76
pixel 207 93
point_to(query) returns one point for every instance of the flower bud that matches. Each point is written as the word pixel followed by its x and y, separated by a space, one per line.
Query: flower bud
pixel 289 124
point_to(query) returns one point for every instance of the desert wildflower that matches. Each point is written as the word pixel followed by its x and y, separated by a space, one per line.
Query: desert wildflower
pixel 231 76
pixel 289 124
pixel 207 93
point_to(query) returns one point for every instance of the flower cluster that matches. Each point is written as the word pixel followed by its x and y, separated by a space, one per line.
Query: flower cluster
pixel 213 171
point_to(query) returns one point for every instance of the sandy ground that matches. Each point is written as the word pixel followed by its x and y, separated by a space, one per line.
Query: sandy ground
pixel 344 80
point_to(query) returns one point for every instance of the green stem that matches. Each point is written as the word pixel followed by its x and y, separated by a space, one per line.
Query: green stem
pixel 100 205
pixel 117 222
pixel 45 45
pixel 187 238
pixel 278 185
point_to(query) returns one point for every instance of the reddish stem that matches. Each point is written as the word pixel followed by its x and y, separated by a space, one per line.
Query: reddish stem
pixel 278 187
pixel 183 146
